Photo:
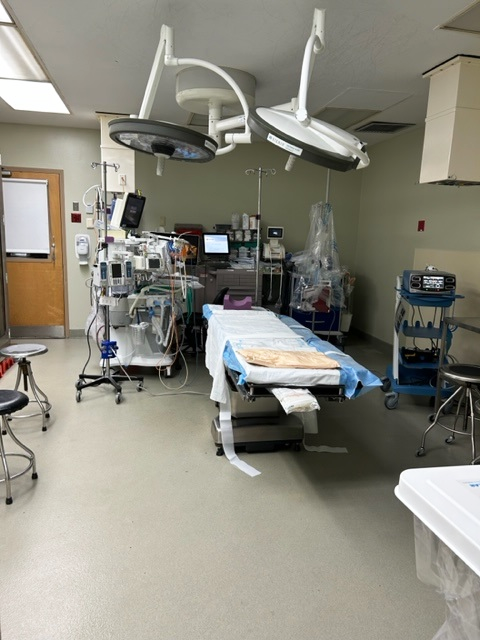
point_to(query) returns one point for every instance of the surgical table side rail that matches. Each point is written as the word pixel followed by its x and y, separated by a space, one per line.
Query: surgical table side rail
pixel 250 391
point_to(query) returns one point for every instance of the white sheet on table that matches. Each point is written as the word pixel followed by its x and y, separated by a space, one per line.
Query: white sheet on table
pixel 234 325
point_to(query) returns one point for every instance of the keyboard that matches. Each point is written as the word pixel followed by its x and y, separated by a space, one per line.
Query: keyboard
pixel 218 265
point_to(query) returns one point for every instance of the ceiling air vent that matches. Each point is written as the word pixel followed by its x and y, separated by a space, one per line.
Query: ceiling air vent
pixel 379 127
pixel 467 21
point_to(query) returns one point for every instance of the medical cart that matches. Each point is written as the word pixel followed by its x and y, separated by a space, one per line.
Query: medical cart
pixel 414 369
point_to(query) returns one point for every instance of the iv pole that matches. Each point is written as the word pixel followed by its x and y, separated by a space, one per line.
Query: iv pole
pixel 108 347
pixel 260 173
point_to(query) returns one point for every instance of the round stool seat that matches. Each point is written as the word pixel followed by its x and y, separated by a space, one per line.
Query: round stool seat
pixel 20 354
pixel 12 401
pixel 460 373
pixel 23 351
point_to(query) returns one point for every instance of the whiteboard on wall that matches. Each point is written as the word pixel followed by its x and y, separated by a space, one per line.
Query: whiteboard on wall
pixel 27 226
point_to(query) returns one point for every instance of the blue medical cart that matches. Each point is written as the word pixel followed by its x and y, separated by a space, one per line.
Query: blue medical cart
pixel 414 370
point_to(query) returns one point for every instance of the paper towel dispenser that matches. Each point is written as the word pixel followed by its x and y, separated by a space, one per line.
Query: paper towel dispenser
pixel 451 137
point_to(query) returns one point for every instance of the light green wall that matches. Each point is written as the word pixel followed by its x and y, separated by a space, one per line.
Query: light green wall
pixel 209 193
pixel 392 202
pixel 201 193
pixel 375 210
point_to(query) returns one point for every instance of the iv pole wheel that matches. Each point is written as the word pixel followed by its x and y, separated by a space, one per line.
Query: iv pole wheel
pixel 118 397
pixel 78 396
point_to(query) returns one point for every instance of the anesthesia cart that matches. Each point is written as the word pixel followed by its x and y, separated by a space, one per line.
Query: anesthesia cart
pixel 422 298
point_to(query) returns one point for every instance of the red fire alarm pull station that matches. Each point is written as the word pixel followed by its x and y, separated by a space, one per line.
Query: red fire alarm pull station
pixel 76 217
pixel 421 224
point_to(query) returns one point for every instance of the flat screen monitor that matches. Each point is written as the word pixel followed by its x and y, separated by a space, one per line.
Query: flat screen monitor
pixel 215 245
pixel 132 211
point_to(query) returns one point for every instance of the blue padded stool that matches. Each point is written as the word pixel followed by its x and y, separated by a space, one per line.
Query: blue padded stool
pixel 21 354
pixel 12 401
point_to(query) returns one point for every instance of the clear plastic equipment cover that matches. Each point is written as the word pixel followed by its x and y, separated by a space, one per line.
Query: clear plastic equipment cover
pixel 320 260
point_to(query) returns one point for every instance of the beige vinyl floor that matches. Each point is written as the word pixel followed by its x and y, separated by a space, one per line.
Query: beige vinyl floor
pixel 135 529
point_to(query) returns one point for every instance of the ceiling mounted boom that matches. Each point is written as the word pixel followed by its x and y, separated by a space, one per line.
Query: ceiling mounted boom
pixel 290 127
pixel 287 126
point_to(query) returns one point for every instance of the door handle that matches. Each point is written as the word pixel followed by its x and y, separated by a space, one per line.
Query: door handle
pixel 53 252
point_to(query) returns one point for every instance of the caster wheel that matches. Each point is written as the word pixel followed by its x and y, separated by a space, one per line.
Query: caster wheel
pixel 78 396
pixel 391 400
pixel 9 501
pixel 421 452
pixel 35 476
pixel 386 384
pixel 118 398
pixel 44 428
pixel 449 440
pixel 220 451
pixel 140 387
pixel 47 415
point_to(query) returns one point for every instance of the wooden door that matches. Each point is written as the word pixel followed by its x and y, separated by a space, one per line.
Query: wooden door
pixel 4 328
pixel 37 286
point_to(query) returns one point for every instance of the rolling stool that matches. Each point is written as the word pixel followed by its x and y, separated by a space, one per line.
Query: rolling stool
pixel 11 401
pixel 21 354
pixel 465 381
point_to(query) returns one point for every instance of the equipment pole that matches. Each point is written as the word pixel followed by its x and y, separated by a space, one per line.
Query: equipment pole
pixel 260 173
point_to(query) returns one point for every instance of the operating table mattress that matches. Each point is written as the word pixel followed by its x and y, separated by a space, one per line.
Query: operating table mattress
pixel 233 330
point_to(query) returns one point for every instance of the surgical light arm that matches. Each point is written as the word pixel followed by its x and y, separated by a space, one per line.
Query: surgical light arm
pixel 165 57
pixel 340 139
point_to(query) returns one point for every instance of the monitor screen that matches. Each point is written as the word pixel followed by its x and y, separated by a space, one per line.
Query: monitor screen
pixel 132 211
pixel 275 232
pixel 215 245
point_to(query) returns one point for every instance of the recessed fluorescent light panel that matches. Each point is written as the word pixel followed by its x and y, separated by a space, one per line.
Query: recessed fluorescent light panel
pixel 4 17
pixel 24 85
pixel 26 95
pixel 16 59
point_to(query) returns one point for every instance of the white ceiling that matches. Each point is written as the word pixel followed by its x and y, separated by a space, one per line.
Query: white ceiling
pixel 99 52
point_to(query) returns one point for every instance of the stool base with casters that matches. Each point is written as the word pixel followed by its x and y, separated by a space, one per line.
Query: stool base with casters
pixel 12 401
pixel 465 381
pixel 21 354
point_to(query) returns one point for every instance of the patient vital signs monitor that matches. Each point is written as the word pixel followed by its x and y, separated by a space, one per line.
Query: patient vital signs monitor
pixel 128 212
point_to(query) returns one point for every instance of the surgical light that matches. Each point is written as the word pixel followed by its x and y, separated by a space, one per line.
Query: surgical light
pixel 163 140
pixel 287 126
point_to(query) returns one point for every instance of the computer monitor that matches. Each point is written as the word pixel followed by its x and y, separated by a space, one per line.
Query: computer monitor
pixel 215 245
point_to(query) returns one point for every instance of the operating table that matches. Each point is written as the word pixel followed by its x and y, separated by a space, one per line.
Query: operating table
pixel 249 414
